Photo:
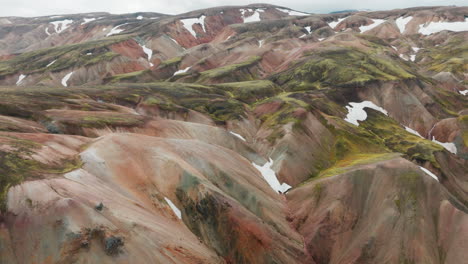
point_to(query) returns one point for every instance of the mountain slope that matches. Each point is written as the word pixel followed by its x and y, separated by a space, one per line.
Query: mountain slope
pixel 239 134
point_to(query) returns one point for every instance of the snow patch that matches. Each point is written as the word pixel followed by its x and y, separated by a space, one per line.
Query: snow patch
pixel 255 17
pixel 412 57
pixel 428 172
pixel 374 24
pixel 260 43
pixel 303 36
pixel 237 135
pixel 320 39
pixel 89 54
pixel 87 20
pixel 189 22
pixel 434 27
pixel 403 57
pixel 357 113
pixel 181 71
pixel 448 146
pixel 66 78
pixel 50 64
pixel 147 51
pixel 465 92
pixel 395 48
pixel 20 79
pixel 174 208
pixel 333 24
pixel 309 29
pixel 174 41
pixel 47 31
pixel 61 25
pixel 292 12
pixel 270 176
pixel 139 17
pixel 115 30
pixel 415 49
pixel 402 22
pixel 412 131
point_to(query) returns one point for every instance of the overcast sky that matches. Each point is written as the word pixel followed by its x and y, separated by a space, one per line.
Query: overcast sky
pixel 53 7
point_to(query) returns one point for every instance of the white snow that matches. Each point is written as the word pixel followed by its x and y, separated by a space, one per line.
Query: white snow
pixel 434 27
pixel 403 57
pixel 20 79
pixel 428 172
pixel 448 146
pixel 412 57
pixel 402 21
pixel 395 48
pixel 61 25
pixel 174 40
pixel 292 12
pixel 309 29
pixel 89 54
pixel 320 39
pixel 415 49
pixel 115 30
pixel 270 176
pixel 87 20
pixel 189 22
pixel 52 62
pixel 412 131
pixel 303 36
pixel 139 17
pixel 357 113
pixel 47 31
pixel 174 208
pixel 181 71
pixel 66 78
pixel 335 23
pixel 237 135
pixel 255 17
pixel 147 51
pixel 465 92
pixel 260 43
pixel 375 23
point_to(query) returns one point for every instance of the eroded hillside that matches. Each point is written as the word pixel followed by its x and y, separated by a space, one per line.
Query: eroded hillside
pixel 241 134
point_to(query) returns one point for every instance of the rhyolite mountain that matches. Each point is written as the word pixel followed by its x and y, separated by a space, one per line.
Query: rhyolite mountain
pixel 239 134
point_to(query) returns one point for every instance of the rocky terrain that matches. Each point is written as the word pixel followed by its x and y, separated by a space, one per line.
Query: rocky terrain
pixel 240 134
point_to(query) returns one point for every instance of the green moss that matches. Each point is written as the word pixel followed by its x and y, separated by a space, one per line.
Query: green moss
pixel 170 62
pixel 130 76
pixel 66 56
pixel 233 71
pixel 98 120
pixel 17 165
pixel 250 91
pixel 223 110
pixel 350 161
pixel 396 138
pixel 451 57
pixel 341 67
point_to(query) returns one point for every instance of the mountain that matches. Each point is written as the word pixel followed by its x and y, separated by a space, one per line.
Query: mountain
pixel 235 134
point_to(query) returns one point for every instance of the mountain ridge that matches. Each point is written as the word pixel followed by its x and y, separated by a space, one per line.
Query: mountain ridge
pixel 153 138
